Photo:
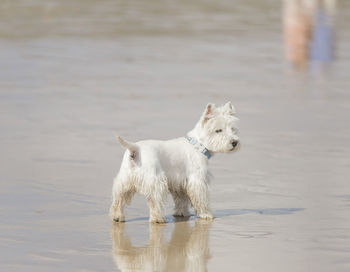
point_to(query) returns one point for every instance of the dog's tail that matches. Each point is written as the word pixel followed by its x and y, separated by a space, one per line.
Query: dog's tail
pixel 128 145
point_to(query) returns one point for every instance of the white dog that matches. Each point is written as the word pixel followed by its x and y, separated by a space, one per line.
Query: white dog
pixel 179 166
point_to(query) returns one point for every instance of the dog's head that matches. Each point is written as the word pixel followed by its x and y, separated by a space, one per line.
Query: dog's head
pixel 217 129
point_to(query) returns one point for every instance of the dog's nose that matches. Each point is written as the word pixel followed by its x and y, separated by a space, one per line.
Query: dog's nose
pixel 234 143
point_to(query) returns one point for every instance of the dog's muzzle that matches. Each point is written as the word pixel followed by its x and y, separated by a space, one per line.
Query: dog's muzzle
pixel 234 145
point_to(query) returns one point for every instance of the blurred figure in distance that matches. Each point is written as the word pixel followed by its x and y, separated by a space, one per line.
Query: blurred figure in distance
pixel 308 32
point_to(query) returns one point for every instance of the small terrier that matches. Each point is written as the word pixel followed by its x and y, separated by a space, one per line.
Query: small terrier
pixel 178 166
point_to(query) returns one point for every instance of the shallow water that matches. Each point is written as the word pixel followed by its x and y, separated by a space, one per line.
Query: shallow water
pixel 73 72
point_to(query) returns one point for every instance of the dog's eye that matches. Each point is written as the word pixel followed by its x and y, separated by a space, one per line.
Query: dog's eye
pixel 218 130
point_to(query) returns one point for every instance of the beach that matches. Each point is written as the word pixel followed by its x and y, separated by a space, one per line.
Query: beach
pixel 75 73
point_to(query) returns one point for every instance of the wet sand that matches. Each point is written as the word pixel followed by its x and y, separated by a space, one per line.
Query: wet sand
pixel 73 73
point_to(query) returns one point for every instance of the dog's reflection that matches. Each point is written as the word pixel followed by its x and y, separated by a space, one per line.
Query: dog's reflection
pixel 187 249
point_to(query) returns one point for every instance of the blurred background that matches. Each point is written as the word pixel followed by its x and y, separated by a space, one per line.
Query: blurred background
pixel 73 72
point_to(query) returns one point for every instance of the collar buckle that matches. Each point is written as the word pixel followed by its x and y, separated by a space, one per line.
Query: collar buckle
pixel 197 145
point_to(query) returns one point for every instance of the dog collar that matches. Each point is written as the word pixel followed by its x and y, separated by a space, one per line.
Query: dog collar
pixel 197 145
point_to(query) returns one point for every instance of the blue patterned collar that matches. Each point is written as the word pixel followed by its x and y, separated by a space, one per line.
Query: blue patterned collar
pixel 197 145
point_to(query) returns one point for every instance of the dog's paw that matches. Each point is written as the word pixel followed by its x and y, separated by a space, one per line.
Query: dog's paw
pixel 159 220
pixel 119 219
pixel 206 216
pixel 181 213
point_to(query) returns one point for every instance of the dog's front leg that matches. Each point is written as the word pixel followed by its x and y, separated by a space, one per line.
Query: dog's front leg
pixel 182 202
pixel 157 196
pixel 198 193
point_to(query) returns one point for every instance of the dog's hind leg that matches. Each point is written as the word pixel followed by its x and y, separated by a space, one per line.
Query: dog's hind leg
pixel 122 195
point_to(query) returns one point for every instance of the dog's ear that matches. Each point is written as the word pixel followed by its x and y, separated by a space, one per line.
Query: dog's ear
pixel 228 108
pixel 208 113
